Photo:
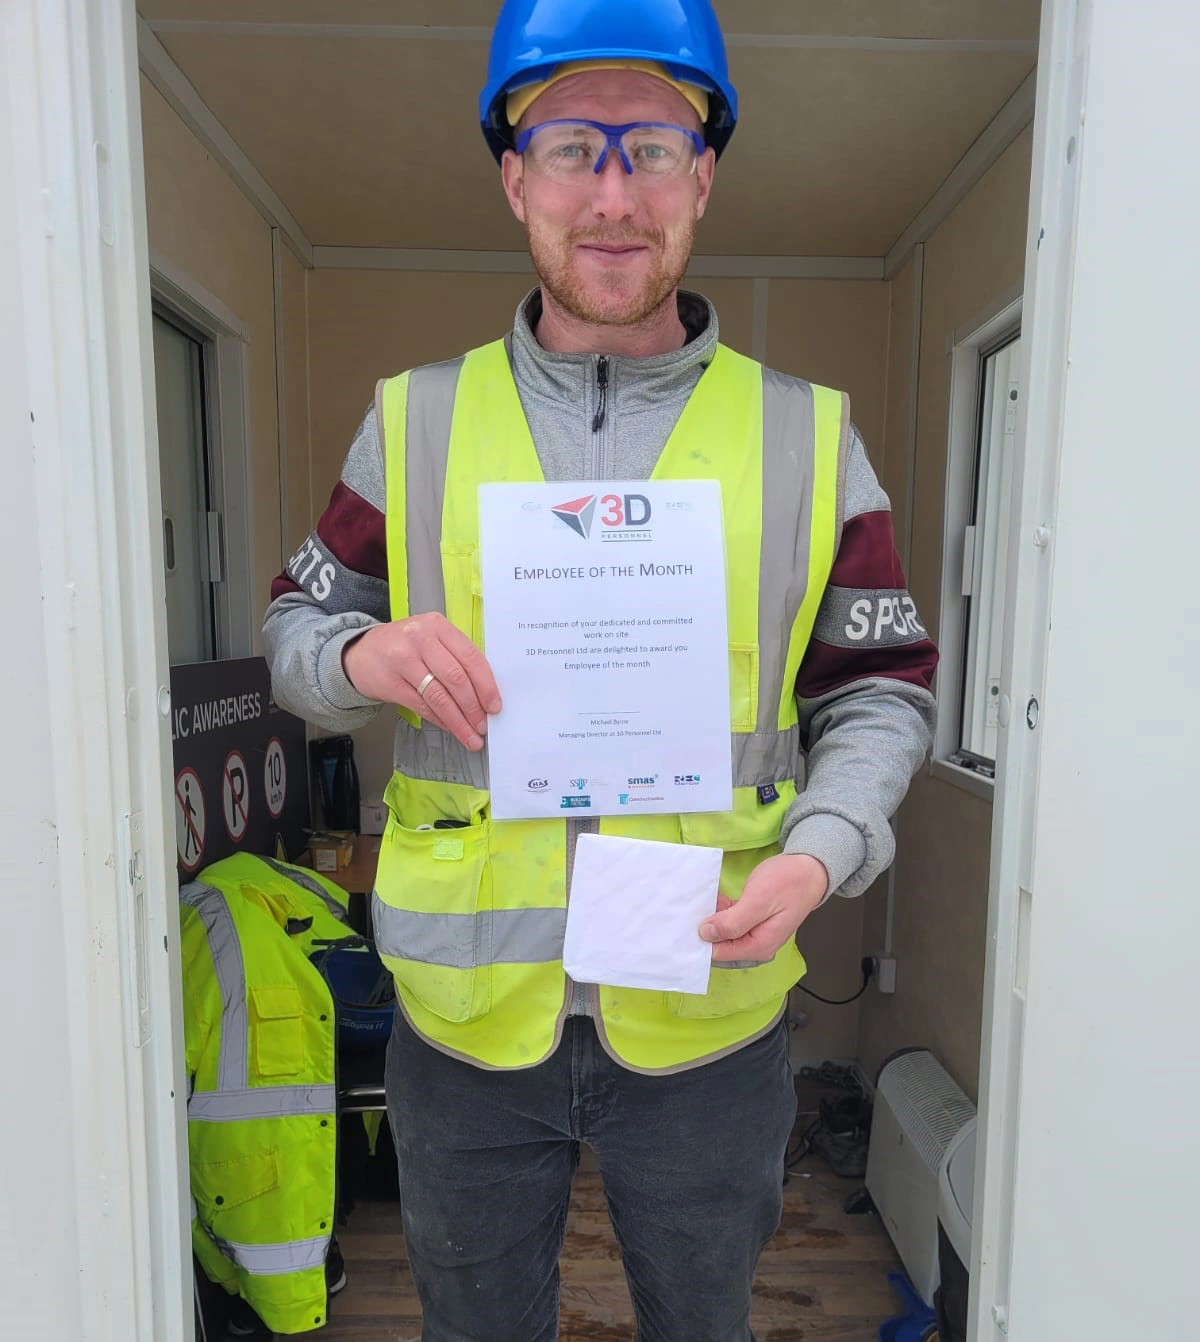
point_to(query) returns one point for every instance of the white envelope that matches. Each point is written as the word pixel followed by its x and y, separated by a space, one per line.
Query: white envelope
pixel 635 911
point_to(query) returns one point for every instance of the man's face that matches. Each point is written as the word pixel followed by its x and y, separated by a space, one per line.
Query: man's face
pixel 610 248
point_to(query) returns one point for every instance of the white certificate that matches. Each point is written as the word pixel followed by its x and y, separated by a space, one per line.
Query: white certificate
pixel 604 622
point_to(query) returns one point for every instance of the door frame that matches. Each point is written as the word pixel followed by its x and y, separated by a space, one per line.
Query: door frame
pixel 227 426
pixel 72 181
pixel 1045 330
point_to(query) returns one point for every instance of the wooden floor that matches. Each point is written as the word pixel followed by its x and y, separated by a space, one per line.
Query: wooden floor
pixel 823 1278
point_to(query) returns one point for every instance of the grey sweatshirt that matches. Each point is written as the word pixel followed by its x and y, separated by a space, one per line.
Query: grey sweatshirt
pixel 866 711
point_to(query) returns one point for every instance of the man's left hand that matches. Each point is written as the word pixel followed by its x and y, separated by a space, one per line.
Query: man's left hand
pixel 780 894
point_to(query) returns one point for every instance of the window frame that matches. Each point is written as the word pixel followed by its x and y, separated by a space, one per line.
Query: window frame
pixel 967 348
pixel 204 317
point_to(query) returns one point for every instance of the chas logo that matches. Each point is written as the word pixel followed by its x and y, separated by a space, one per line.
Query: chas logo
pixel 538 784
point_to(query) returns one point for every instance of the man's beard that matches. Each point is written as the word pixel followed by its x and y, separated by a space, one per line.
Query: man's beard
pixel 616 299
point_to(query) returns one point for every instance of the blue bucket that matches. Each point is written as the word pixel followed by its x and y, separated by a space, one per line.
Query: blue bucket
pixel 363 993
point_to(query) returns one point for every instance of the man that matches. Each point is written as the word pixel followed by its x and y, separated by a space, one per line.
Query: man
pixel 606 120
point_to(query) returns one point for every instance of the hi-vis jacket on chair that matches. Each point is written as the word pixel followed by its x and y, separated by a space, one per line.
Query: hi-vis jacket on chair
pixel 259 1040
pixel 471 920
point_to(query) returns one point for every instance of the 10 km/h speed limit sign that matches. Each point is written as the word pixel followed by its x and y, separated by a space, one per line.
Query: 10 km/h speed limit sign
pixel 275 777
pixel 235 795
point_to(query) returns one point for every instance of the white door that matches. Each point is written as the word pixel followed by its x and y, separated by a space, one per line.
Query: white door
pixel 93 1163
pixel 1086 1208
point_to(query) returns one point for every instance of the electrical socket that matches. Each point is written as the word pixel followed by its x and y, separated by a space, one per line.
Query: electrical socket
pixel 883 971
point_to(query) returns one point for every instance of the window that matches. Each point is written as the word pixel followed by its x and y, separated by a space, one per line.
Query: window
pixel 983 416
pixel 199 377
pixel 191 532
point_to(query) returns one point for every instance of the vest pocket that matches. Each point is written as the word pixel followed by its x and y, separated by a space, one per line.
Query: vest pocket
pixel 464 590
pixel 743 686
pixel 276 1029
pixel 220 1187
pixel 731 991
pixel 432 915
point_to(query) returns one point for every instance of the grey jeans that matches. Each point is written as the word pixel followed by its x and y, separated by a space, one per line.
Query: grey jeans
pixel 692 1165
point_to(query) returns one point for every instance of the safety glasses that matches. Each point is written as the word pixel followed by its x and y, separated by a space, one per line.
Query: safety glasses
pixel 570 151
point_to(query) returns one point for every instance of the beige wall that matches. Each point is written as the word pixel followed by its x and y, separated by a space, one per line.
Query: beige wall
pixel 201 222
pixel 941 873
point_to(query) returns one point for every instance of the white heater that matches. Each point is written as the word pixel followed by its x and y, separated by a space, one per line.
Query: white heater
pixel 918 1112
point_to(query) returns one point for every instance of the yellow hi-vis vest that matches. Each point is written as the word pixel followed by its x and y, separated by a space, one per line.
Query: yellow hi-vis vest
pixel 470 921
pixel 262 1123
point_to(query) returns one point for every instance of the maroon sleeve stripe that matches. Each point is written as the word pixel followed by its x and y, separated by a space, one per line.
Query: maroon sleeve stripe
pixel 867 555
pixel 866 563
pixel 825 669
pixel 284 586
pixel 355 533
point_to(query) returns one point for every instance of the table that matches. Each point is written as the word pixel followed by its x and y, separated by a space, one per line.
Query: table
pixel 357 878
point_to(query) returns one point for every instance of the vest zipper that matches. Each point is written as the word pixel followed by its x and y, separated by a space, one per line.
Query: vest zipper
pixel 602 388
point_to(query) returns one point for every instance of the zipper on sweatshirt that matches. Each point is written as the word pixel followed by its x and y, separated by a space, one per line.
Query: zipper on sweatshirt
pixel 601 393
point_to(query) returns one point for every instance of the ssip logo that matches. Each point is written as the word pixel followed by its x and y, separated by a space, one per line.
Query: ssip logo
pixel 619 510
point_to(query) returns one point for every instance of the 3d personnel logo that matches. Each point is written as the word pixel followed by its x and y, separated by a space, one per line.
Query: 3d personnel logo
pixel 577 514
pixel 626 513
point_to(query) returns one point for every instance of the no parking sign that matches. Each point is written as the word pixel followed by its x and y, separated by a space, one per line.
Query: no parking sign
pixel 235 795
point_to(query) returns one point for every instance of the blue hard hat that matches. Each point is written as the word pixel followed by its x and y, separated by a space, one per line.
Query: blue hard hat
pixel 533 37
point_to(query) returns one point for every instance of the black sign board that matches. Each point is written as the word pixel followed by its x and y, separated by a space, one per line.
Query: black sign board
pixel 240 765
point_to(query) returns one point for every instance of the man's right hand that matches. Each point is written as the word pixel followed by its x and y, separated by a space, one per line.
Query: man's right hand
pixel 389 661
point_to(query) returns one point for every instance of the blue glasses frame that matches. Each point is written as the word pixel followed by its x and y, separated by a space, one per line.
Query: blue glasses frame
pixel 613 136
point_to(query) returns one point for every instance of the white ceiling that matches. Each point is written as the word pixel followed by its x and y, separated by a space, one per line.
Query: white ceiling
pixel 362 118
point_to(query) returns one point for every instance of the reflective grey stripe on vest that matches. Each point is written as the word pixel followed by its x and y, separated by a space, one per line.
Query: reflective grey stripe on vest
pixel 274 1260
pixel 788 470
pixel 464 940
pixel 456 940
pixel 226 951
pixel 311 884
pixel 431 392
pixel 436 757
pixel 230 1106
